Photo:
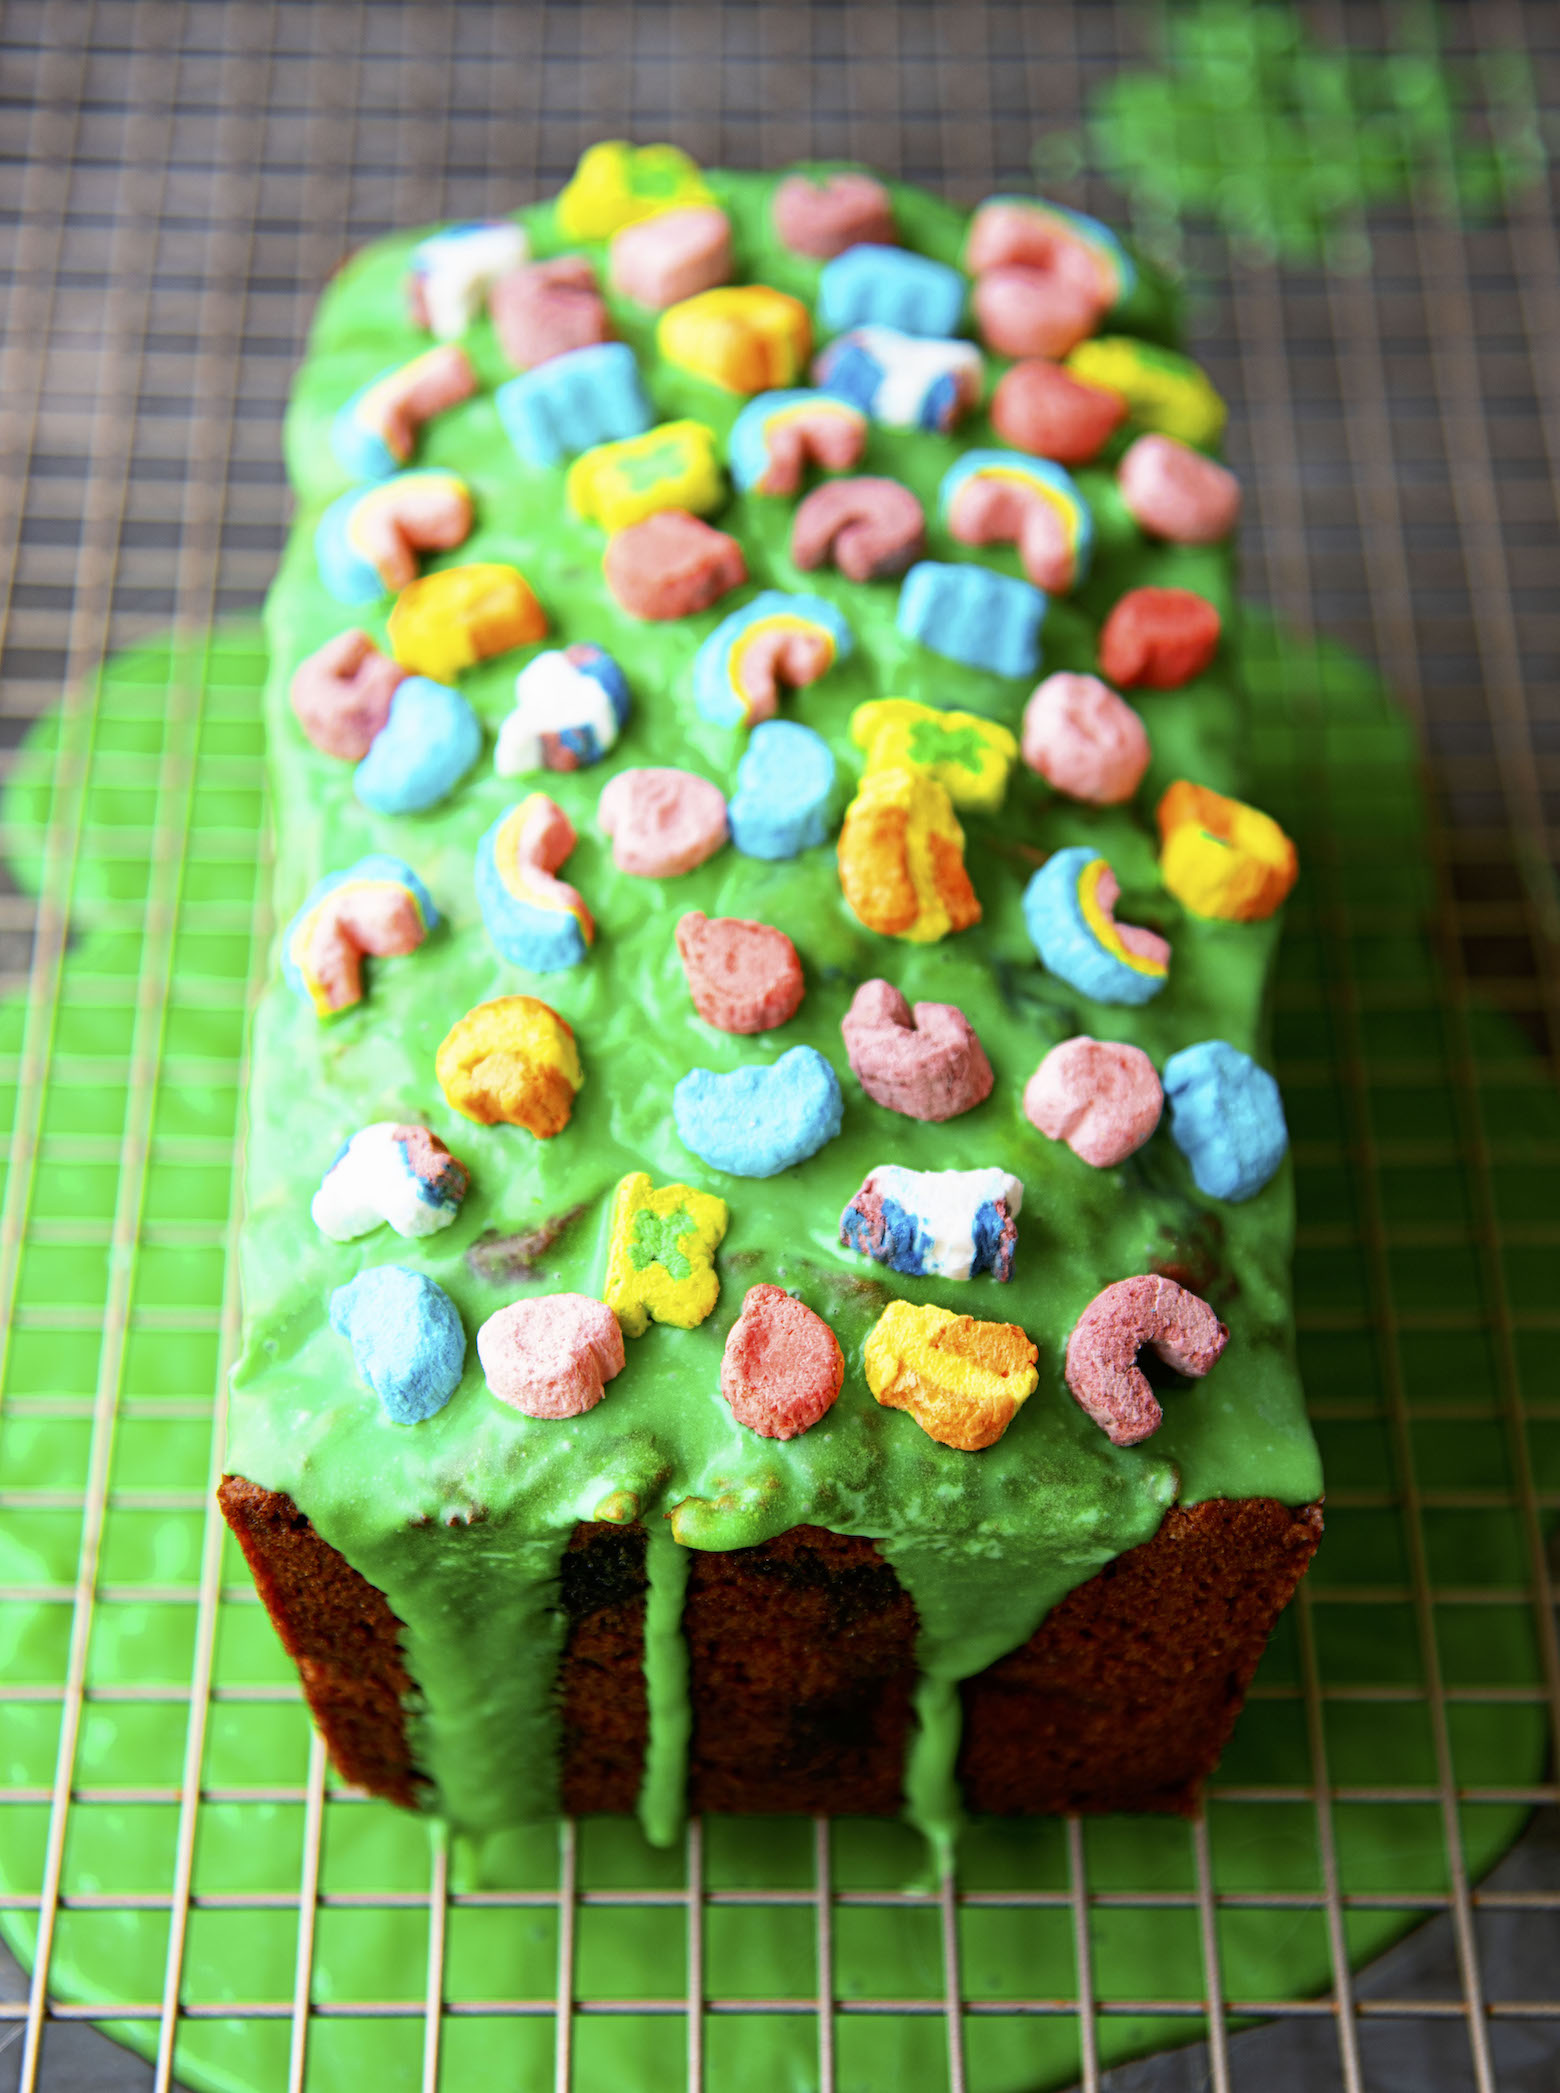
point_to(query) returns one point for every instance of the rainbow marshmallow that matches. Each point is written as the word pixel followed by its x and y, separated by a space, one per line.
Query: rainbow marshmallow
pixel 1069 912
pixel 1004 497
pixel 534 919
pixel 451 272
pixel 366 543
pixel 1028 232
pixel 375 433
pixel 776 638
pixel 377 907
pixel 777 435
pixel 570 706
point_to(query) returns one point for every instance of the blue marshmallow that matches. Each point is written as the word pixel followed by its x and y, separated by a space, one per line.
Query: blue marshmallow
pixel 828 431
pixel 1226 1117
pixel 406 1337
pixel 572 402
pixel 889 287
pixel 759 1120
pixel 785 782
pixel 970 614
pixel 423 750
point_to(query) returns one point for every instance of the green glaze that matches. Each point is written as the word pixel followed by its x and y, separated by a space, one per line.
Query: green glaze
pixel 460 1520
pixel 666 1690
pixel 1337 762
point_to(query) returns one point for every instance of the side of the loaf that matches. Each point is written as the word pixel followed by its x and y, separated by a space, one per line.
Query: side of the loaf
pixel 802 1666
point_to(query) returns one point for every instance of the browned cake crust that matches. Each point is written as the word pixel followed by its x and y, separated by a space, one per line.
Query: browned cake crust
pixel 338 1630
pixel 802 1664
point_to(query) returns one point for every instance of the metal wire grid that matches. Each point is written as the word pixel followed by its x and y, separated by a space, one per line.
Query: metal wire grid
pixel 179 180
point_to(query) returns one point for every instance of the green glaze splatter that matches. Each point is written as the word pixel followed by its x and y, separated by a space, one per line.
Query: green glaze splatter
pixel 461 1520
pixel 1285 142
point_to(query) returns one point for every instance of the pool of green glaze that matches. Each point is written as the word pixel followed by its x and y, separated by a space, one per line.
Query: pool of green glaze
pixel 1335 762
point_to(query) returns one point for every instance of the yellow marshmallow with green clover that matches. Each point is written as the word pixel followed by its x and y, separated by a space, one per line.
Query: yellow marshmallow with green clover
pixel 618 184
pixel 661 1249
pixel 970 757
pixel 672 466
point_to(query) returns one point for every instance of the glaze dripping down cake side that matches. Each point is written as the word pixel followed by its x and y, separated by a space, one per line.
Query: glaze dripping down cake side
pixel 767 1263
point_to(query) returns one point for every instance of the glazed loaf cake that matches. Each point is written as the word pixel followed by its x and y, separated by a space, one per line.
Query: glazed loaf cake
pixel 767 1044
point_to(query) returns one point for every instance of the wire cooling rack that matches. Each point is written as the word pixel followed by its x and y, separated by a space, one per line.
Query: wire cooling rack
pixel 175 182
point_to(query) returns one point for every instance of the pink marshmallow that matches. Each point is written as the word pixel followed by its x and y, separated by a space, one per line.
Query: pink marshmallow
pixel 1102 1099
pixel 551 1357
pixel 1034 312
pixel 428 385
pixel 547 309
pixel 661 822
pixel 672 256
pixel 743 977
pixel 424 512
pixel 1159 637
pixel 1084 740
pixel 782 1367
pixel 869 528
pixel 824 218
pixel 1175 492
pixel 927 1064
pixel 1102 1368
pixel 1040 408
pixel 341 694
pixel 672 565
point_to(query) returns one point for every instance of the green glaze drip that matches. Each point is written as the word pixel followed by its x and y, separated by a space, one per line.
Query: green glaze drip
pixel 461 1520
pixel 666 1691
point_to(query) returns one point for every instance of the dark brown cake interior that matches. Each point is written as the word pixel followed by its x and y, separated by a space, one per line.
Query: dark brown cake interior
pixel 802 1666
